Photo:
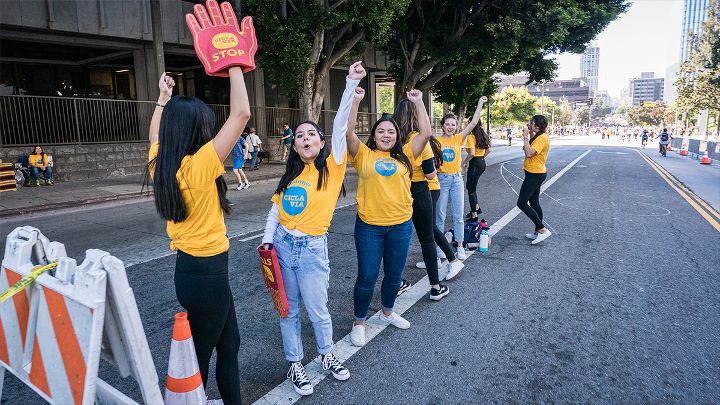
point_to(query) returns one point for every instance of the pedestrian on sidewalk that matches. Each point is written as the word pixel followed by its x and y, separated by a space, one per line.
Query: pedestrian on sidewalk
pixel 240 155
pixel 38 162
pixel 383 226
pixel 536 145
pixel 257 148
pixel 186 166
pixel 422 205
pixel 287 139
pixel 297 224
pixel 478 146
pixel 452 187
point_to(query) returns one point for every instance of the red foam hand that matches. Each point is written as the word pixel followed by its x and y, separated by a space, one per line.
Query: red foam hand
pixel 219 42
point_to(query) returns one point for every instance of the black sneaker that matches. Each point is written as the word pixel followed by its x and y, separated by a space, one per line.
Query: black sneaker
pixel 299 379
pixel 436 294
pixel 329 362
pixel 404 286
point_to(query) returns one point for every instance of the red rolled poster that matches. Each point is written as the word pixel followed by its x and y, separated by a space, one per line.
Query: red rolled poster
pixel 270 268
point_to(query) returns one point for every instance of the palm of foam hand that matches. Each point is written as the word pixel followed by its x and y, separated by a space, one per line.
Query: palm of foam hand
pixel 219 42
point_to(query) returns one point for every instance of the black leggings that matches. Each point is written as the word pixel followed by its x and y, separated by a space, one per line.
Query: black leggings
pixel 530 192
pixel 475 169
pixel 202 288
pixel 423 218
pixel 439 235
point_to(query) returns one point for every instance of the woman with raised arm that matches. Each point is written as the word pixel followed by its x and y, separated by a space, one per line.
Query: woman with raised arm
pixel 186 166
pixel 297 224
pixel 477 146
pixel 383 227
pixel 536 145
pixel 450 174
pixel 423 217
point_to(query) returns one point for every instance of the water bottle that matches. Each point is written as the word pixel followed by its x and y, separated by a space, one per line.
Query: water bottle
pixel 484 240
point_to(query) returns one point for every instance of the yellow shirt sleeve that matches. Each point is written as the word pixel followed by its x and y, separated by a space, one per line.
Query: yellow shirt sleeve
pixel 204 166
pixel 539 144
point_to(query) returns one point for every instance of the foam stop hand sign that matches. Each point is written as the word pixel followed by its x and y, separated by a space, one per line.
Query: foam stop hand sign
pixel 219 42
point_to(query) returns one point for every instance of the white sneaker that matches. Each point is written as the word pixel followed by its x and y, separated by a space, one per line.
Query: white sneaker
pixel 357 335
pixel 460 253
pixel 421 265
pixel 300 381
pixel 541 237
pixel 531 236
pixel 395 320
pixel 440 253
pixel 247 185
pixel 454 268
pixel 240 186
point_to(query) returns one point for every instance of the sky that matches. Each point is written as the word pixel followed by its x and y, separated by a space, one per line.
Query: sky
pixel 646 38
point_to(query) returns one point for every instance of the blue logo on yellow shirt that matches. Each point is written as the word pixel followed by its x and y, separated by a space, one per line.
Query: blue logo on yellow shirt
pixel 385 166
pixel 294 200
pixel 448 154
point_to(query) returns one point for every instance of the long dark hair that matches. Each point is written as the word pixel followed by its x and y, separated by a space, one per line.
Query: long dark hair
pixel 186 125
pixel 482 140
pixel 541 122
pixel 42 151
pixel 396 152
pixel 295 164
pixel 406 120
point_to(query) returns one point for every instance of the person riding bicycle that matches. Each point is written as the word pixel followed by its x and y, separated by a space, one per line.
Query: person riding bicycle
pixel 644 138
pixel 664 141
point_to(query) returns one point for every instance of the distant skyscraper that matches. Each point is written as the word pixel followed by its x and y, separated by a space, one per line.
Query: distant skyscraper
pixel 590 65
pixel 646 88
pixel 694 13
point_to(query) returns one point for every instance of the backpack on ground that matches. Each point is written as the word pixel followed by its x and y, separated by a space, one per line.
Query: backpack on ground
pixel 472 234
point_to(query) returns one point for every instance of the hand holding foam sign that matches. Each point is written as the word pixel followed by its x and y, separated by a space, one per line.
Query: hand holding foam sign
pixel 219 42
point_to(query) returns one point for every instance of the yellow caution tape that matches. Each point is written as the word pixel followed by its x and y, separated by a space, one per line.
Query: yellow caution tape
pixel 26 281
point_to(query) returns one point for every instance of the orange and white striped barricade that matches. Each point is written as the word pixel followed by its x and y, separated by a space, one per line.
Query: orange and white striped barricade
pixel 52 330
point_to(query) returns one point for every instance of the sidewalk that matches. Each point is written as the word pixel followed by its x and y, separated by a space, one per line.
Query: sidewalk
pixel 703 180
pixel 86 192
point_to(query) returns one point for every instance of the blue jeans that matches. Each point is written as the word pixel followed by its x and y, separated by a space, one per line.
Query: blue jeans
pixel 452 188
pixel 306 274
pixel 373 244
pixel 35 173
pixel 253 160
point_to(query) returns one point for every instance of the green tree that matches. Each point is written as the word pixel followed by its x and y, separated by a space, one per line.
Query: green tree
pixel 647 114
pixel 698 84
pixel 298 52
pixel 582 116
pixel 513 105
pixel 437 37
pixel 386 99
pixel 545 105
pixel 565 113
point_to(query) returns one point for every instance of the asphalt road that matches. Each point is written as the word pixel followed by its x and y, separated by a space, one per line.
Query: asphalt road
pixel 620 305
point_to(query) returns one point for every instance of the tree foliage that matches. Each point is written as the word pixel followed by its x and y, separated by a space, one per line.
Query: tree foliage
pixel 299 51
pixel 644 115
pixel 513 105
pixel 437 37
pixel 698 84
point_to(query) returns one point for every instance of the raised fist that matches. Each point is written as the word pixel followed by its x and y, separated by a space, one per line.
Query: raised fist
pixel 219 42
pixel 359 93
pixel 414 95
pixel 357 71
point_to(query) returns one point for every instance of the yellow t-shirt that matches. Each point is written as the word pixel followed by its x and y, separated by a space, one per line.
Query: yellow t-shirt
pixel 426 154
pixel 303 206
pixel 383 195
pixel 38 160
pixel 452 158
pixel 434 184
pixel 203 232
pixel 471 143
pixel 536 162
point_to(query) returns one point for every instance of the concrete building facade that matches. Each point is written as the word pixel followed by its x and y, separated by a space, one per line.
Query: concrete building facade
pixel 590 66
pixel 574 90
pixel 694 13
pixel 646 88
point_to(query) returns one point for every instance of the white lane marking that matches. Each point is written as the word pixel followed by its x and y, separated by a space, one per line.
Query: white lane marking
pixel 344 349
pixel 231 236
pixel 502 174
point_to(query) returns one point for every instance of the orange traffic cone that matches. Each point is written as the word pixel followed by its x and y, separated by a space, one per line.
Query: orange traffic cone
pixel 705 159
pixel 683 150
pixel 184 383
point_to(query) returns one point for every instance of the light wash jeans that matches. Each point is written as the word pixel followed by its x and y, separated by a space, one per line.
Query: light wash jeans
pixel 453 189
pixel 306 274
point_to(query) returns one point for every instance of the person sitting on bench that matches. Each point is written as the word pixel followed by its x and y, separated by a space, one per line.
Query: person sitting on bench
pixel 38 162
